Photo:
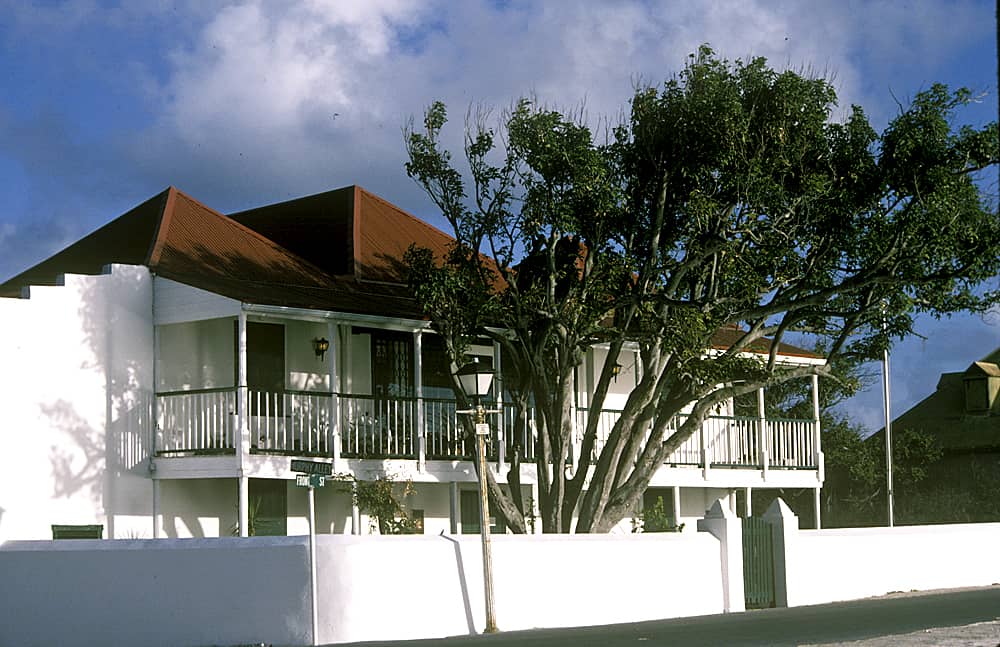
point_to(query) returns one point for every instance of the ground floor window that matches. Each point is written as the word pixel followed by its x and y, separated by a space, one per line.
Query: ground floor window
pixel 268 511
pixel 658 514
pixel 78 532
pixel 470 515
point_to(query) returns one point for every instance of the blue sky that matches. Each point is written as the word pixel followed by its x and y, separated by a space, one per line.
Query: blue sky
pixel 104 104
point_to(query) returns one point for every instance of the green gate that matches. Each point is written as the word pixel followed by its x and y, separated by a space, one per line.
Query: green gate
pixel 758 563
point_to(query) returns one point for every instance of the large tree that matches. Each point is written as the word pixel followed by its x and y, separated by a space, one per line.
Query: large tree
pixel 728 199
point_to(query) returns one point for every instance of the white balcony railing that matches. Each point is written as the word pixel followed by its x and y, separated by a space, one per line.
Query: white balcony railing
pixel 298 423
pixel 292 422
pixel 196 421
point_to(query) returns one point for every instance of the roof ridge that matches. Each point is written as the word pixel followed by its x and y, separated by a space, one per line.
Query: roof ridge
pixel 162 226
pixel 257 235
pixel 402 211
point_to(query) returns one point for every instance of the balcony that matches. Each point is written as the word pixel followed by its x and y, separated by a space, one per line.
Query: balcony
pixel 297 423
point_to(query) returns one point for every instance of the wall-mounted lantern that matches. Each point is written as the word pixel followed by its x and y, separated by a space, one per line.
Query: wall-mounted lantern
pixel 320 346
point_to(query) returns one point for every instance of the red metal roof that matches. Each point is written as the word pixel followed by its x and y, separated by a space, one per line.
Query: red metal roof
pixel 340 251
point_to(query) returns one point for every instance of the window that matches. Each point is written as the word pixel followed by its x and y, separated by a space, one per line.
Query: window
pixel 658 512
pixel 78 532
pixel 976 395
pixel 392 364
pixel 470 515
pixel 435 369
pixel 268 512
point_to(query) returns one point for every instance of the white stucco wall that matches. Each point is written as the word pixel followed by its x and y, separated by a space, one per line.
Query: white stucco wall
pixel 166 592
pixel 249 591
pixel 306 372
pixel 76 381
pixel 850 563
pixel 433 585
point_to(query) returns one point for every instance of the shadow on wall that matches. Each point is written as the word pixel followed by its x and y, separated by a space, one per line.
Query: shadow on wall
pixel 463 582
pixel 189 521
pixel 80 467
pixel 114 314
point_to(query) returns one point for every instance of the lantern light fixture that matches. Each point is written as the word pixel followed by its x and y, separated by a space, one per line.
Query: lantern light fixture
pixel 320 346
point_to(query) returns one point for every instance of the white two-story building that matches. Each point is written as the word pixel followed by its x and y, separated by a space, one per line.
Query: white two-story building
pixel 159 375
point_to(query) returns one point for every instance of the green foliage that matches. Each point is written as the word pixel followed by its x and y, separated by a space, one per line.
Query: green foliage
pixel 656 519
pixel 381 499
pixel 253 509
pixel 728 200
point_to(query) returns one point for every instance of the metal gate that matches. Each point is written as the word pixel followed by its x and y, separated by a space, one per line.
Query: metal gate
pixel 758 563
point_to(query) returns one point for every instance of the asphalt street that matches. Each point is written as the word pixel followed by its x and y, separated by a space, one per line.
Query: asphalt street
pixel 827 623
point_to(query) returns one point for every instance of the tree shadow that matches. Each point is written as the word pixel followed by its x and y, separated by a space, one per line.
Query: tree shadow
pixel 96 452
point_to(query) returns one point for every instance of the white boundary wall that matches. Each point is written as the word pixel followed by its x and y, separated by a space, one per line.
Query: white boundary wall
pixel 181 592
pixel 220 591
pixel 818 566
pixel 850 563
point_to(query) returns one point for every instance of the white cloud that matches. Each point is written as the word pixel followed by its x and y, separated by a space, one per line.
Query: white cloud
pixel 295 84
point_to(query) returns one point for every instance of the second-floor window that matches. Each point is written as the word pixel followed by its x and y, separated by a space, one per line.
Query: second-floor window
pixel 392 364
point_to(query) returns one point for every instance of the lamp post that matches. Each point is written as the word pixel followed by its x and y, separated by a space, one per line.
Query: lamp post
pixel 476 380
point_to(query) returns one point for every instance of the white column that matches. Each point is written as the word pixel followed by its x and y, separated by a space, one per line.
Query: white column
pixel 818 430
pixel 155 432
pixel 243 483
pixel 156 508
pixel 355 510
pixel 497 385
pixel 243 423
pixel 677 504
pixel 333 357
pixel 725 526
pixel 418 388
pixel 706 460
pixel 764 438
pixel 453 506
pixel 747 502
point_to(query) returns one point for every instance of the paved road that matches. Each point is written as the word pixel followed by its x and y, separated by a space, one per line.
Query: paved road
pixel 822 624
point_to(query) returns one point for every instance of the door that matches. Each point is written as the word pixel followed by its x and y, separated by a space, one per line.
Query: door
pixel 393 390
pixel 758 563
pixel 266 368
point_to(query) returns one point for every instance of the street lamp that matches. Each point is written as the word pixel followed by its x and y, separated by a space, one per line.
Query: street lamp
pixel 476 380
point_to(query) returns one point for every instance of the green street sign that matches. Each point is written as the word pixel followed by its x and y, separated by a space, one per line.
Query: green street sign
pixel 312 467
pixel 310 480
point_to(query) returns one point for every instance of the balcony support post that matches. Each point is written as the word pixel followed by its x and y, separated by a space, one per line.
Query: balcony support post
pixel 333 334
pixel 498 388
pixel 818 449
pixel 243 428
pixel 676 493
pixel 453 506
pixel 816 425
pixel 764 437
pixel 355 510
pixel 418 392
pixel 243 485
pixel 156 508
pixel 706 460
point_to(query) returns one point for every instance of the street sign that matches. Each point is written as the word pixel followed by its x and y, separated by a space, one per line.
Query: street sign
pixel 310 480
pixel 312 467
pixel 483 430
